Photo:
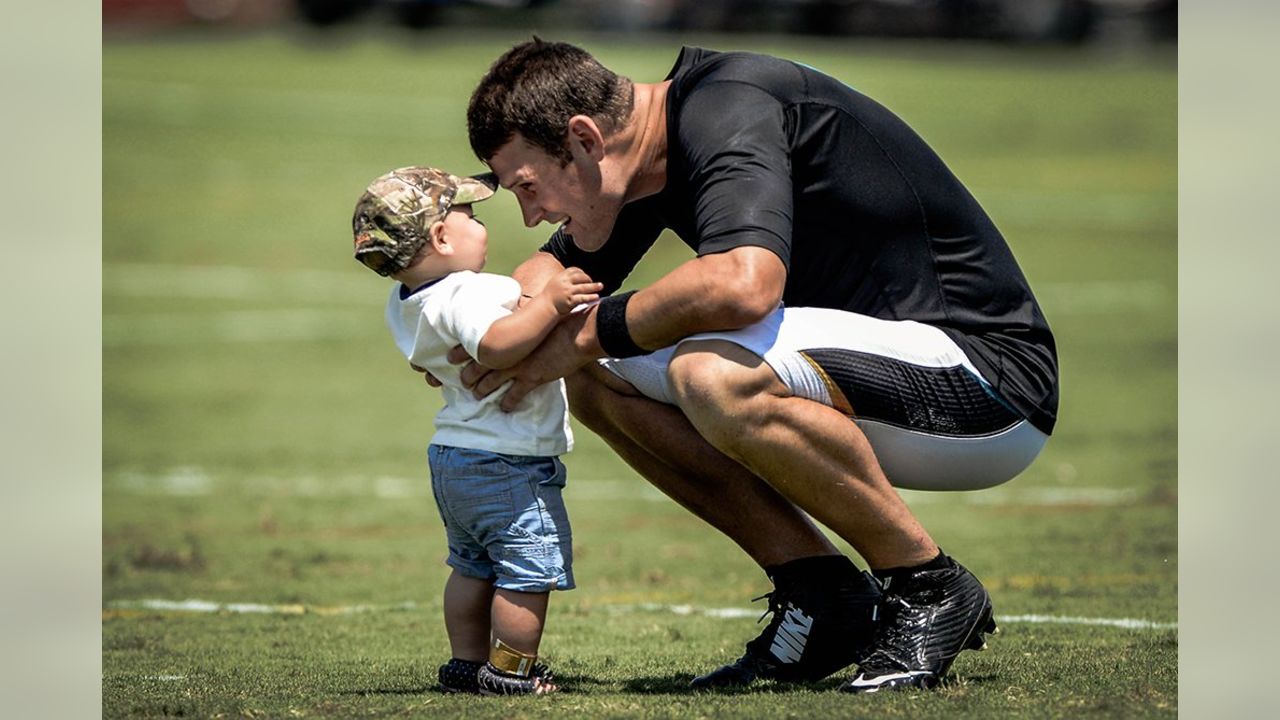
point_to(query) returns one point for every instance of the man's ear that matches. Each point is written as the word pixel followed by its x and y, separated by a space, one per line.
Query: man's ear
pixel 585 137
pixel 439 243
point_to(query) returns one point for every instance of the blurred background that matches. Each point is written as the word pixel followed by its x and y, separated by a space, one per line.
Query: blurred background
pixel 1020 21
pixel 262 441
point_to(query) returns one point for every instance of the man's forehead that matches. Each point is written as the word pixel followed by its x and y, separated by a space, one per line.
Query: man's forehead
pixel 516 161
pixel 509 177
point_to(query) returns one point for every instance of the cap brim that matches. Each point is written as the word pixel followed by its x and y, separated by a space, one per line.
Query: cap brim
pixel 475 188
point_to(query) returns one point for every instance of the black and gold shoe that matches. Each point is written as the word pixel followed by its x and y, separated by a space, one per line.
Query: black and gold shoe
pixel 493 681
pixel 459 676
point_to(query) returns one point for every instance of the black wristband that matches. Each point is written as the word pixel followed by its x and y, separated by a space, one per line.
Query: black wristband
pixel 611 327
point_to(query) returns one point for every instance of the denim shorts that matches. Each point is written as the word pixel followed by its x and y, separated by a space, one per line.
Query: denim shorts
pixel 504 517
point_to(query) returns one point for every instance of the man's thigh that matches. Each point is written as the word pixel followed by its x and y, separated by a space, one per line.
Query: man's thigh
pixel 932 419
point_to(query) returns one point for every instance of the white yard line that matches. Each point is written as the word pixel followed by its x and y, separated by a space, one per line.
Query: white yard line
pixel 192 605
pixel 196 482
pixel 736 612
pixel 1126 623
pixel 207 606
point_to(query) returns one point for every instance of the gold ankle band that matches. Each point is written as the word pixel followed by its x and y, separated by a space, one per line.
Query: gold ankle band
pixel 509 660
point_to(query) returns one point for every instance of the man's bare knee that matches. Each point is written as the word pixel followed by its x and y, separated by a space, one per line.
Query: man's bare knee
pixel 719 371
pixel 720 386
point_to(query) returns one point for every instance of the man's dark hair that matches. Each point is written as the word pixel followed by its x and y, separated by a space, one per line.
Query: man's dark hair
pixel 534 88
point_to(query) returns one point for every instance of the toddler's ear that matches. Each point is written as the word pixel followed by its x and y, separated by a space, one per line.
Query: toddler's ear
pixel 439 243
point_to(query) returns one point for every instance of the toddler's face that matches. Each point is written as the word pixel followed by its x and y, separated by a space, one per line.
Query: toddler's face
pixel 468 236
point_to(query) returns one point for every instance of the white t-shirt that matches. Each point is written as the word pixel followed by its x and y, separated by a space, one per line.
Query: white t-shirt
pixel 457 310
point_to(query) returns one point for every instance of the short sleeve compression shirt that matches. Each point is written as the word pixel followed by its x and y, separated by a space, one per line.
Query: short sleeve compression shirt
pixel 864 214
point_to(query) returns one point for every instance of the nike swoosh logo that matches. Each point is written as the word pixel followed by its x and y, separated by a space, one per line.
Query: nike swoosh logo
pixel 879 680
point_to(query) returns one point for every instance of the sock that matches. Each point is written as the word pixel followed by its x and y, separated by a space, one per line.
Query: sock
pixel 941 562
pixel 820 568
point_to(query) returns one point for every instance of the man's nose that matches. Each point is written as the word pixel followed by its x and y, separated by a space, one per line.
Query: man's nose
pixel 532 214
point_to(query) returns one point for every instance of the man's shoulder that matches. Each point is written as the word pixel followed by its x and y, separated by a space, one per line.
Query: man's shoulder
pixel 718 98
pixel 699 67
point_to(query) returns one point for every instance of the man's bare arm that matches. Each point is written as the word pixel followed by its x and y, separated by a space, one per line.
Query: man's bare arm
pixel 724 291
pixel 533 274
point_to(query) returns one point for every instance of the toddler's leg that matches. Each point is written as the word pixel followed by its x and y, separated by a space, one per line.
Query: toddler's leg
pixel 467 602
pixel 466 618
pixel 517 619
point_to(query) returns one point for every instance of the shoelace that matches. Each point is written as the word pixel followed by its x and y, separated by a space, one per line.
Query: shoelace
pixel 892 606
pixel 776 599
pixel 884 658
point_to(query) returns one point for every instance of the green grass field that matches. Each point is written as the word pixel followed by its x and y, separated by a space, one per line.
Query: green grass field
pixel 269 544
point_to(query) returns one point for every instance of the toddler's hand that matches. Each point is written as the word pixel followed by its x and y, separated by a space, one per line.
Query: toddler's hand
pixel 570 288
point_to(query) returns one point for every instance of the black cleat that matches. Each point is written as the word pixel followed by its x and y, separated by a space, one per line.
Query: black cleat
pixel 926 619
pixel 459 676
pixel 493 681
pixel 743 671
pixel 822 623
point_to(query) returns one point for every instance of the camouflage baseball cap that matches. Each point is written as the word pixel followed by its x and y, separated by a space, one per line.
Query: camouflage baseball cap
pixel 395 212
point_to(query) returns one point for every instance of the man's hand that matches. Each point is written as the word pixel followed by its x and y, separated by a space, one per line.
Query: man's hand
pixel 559 355
pixel 432 380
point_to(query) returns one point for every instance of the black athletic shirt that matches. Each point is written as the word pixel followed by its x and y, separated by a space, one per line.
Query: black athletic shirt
pixel 866 217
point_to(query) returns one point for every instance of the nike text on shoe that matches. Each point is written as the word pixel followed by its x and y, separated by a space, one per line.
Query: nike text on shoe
pixel 926 619
pixel 822 622
pixel 792 635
